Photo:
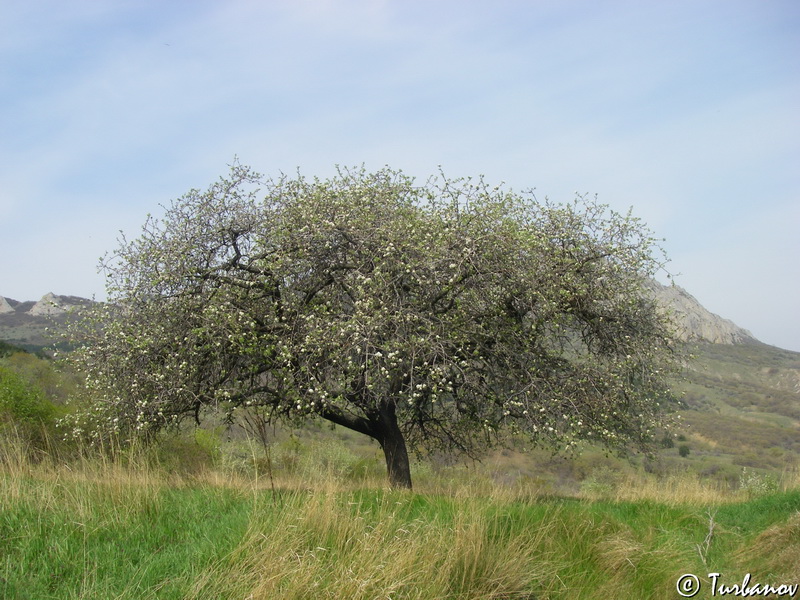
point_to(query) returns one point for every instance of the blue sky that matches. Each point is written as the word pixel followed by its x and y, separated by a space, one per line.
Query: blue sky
pixel 686 111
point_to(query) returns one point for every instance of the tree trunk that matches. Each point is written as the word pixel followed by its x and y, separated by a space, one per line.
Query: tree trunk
pixel 397 465
pixel 382 426
pixel 394 449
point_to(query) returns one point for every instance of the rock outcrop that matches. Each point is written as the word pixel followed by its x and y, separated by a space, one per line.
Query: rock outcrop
pixel 695 322
pixel 51 304
pixel 5 307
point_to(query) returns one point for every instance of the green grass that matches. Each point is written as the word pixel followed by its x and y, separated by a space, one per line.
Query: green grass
pixel 91 539
pixel 199 517
pixel 99 530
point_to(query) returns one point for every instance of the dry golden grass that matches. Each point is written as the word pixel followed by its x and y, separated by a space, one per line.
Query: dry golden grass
pixel 776 550
pixel 685 488
pixel 321 548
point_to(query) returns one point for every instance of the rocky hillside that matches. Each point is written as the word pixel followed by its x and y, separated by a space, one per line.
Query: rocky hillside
pixel 24 324
pixel 694 322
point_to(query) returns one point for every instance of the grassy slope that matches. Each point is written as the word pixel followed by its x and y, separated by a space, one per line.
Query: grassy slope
pixel 742 411
pixel 744 406
pixel 30 333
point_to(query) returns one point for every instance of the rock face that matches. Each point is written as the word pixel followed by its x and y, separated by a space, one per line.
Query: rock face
pixel 50 304
pixel 5 307
pixel 27 324
pixel 694 322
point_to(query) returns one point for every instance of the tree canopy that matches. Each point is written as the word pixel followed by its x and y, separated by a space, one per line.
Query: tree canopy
pixel 430 316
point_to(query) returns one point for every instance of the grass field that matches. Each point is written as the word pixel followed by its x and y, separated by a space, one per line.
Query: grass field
pixel 210 514
pixel 95 529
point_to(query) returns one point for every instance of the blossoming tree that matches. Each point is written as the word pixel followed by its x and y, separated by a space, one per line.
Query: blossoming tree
pixel 427 316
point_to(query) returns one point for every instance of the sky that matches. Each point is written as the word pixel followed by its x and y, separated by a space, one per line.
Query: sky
pixel 686 112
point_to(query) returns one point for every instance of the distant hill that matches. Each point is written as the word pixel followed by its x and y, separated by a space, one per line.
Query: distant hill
pixel 25 324
pixel 694 322
pixel 742 406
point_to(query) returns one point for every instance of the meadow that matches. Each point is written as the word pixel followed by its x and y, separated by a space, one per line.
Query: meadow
pixel 217 513
pixel 195 520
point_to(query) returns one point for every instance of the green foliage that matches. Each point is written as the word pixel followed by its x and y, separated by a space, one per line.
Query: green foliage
pixel 25 410
pixel 20 401
pixel 209 441
pixel 435 316
pixel 7 349
pixel 57 385
pixel 684 450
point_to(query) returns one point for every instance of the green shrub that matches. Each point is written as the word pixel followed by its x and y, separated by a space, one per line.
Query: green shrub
pixel 7 349
pixel 209 442
pixel 25 409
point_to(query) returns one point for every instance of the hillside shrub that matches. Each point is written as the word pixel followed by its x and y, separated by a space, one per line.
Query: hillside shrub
pixel 25 409
pixel 58 384
pixel 7 349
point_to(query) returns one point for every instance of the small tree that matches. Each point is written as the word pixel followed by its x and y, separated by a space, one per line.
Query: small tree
pixel 429 316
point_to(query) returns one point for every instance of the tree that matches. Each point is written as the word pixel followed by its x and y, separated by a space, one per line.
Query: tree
pixel 425 317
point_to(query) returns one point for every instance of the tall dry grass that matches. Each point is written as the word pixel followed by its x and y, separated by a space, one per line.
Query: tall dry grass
pixel 326 545
pixel 322 534
pixel 685 488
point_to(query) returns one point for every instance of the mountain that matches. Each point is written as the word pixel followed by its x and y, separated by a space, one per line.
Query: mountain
pixel 25 324
pixel 693 321
pixel 5 307
pixel 50 304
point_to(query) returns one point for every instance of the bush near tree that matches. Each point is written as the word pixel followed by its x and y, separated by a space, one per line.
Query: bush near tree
pixel 427 317
pixel 25 410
